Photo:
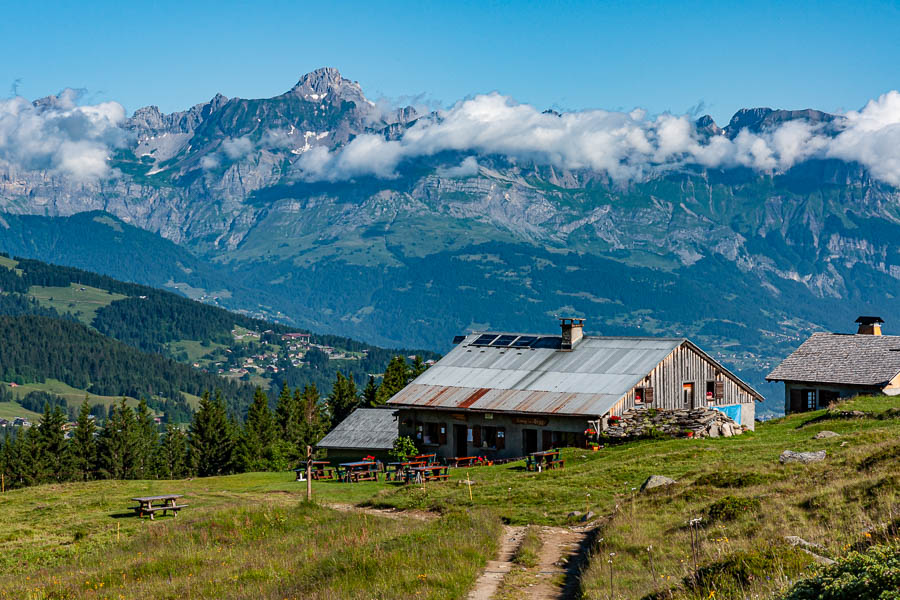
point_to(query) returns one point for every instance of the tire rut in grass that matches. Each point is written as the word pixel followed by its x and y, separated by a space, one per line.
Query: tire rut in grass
pixel 494 572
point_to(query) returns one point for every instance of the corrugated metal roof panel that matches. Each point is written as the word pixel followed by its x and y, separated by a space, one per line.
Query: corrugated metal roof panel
pixel 364 428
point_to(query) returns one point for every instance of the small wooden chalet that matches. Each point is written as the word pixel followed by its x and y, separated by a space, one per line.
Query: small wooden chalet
pixel 509 394
pixel 365 432
pixel 829 366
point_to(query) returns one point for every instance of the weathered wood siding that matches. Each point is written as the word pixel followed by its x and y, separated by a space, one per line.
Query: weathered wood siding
pixel 685 365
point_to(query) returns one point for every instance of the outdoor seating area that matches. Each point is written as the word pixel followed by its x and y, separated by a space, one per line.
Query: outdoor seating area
pixel 150 505
pixel 428 473
pixel 354 472
pixel 428 459
pixel 321 470
pixel 545 459
pixel 469 461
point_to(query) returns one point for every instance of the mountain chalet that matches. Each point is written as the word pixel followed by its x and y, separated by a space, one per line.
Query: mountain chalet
pixel 829 366
pixel 505 395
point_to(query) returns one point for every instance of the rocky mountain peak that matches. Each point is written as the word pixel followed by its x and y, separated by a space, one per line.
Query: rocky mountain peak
pixel 318 85
pixel 762 119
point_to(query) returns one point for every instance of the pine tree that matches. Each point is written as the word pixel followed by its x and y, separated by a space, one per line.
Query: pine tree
pixel 257 448
pixel 146 440
pixel 53 459
pixel 210 438
pixel 117 442
pixel 418 367
pixel 396 376
pixel 370 393
pixel 83 446
pixel 172 455
pixel 316 421
pixel 343 399
pixel 290 423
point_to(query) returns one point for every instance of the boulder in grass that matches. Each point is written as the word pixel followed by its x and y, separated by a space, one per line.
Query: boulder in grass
pixel 655 481
pixel 825 434
pixel 789 456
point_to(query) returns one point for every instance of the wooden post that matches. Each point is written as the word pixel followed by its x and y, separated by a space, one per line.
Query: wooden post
pixel 469 483
pixel 309 473
pixel 2 482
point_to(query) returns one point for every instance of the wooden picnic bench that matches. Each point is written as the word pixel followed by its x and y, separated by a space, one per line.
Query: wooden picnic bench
pixel 427 458
pixel 146 505
pixel 469 461
pixel 546 459
pixel 397 470
pixel 320 470
pixel 428 473
pixel 353 472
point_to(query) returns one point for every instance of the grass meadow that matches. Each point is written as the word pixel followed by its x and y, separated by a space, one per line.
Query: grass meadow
pixel 252 535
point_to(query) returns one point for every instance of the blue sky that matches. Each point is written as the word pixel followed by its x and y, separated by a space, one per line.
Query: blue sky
pixel 569 55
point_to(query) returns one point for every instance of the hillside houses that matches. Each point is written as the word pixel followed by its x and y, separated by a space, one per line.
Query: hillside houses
pixel 509 394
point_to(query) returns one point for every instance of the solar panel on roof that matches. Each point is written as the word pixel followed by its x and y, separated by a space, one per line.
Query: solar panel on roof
pixel 485 339
pixel 504 340
pixel 524 341
pixel 547 342
pixel 458 338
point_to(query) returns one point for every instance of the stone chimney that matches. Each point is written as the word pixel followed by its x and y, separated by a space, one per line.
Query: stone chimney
pixel 869 325
pixel 572 331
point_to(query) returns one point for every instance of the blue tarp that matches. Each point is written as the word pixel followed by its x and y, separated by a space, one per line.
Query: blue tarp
pixel 733 412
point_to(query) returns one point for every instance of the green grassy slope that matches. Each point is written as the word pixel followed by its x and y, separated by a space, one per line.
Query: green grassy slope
pixel 747 500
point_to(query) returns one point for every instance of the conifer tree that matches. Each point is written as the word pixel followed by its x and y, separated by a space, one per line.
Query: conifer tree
pixel 316 420
pixel 146 440
pixel 290 423
pixel 117 442
pixel 172 456
pixel 418 367
pixel 257 448
pixel 83 446
pixel 210 438
pixel 343 399
pixel 370 393
pixel 52 461
pixel 396 376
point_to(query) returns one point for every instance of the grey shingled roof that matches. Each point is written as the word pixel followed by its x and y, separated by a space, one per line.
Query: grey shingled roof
pixel 843 359
pixel 590 380
pixel 364 428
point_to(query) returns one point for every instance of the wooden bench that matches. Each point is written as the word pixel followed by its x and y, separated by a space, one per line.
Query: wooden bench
pixel 428 473
pixel 145 505
pixel 556 464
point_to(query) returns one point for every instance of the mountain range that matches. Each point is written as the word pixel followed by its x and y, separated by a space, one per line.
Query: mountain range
pixel 399 226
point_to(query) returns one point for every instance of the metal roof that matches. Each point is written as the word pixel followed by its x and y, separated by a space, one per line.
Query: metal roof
pixel 587 381
pixel 364 428
pixel 850 359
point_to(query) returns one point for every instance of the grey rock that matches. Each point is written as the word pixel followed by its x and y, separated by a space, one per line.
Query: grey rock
pixel 825 434
pixel 655 481
pixel 789 456
pixel 574 514
pixel 713 431
pixel 588 516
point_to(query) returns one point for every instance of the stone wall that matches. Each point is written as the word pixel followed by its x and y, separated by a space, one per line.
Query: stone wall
pixel 699 422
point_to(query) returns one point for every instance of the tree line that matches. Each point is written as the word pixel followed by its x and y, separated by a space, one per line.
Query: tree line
pixel 129 444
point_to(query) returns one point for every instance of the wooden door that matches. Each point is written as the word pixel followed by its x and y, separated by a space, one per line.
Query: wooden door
pixel 529 441
pixel 460 440
pixel 688 395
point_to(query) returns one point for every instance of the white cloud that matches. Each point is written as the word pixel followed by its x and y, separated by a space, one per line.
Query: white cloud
pixel 627 146
pixel 467 168
pixel 60 137
pixel 237 148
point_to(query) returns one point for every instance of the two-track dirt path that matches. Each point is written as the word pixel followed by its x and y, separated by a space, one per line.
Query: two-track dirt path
pixel 495 570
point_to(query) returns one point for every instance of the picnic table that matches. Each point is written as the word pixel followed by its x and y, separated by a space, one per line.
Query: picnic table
pixel 468 461
pixel 153 504
pixel 363 470
pixel 397 470
pixel 320 470
pixel 428 473
pixel 545 459
pixel 426 458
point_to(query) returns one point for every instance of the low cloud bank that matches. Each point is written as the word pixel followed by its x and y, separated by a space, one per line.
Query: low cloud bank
pixel 56 135
pixel 628 146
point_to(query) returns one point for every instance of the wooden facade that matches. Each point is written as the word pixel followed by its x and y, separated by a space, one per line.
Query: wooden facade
pixel 687 364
